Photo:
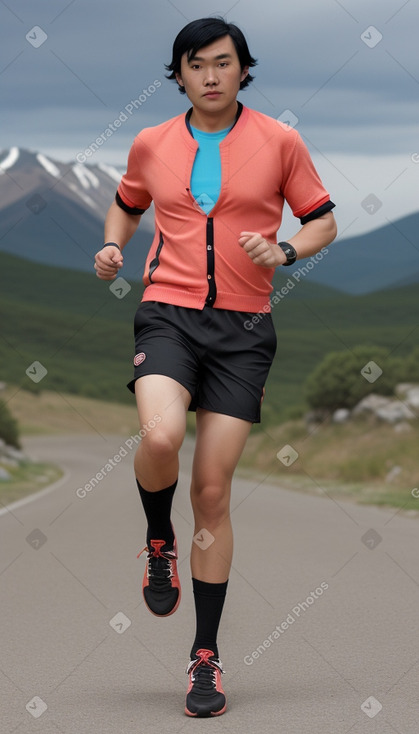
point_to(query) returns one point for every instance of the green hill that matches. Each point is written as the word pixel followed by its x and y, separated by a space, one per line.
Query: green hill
pixel 82 333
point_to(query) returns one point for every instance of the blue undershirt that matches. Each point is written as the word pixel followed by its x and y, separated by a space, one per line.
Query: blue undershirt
pixel 206 172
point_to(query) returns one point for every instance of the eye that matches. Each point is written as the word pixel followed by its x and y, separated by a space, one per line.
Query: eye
pixel 195 66
pixel 223 63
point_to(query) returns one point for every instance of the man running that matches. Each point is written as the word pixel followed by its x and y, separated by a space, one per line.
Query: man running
pixel 218 176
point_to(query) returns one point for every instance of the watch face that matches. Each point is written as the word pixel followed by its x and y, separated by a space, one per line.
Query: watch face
pixel 289 252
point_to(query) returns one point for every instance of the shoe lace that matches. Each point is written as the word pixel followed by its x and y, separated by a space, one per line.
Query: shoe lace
pixel 204 671
pixel 159 566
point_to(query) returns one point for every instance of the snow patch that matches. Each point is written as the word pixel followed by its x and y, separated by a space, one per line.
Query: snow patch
pixel 82 195
pixel 49 166
pixel 86 177
pixel 10 160
pixel 111 172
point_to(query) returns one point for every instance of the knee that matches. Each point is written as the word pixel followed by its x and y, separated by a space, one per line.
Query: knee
pixel 161 445
pixel 211 502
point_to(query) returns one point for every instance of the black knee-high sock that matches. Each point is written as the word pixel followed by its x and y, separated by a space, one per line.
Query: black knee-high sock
pixel 157 508
pixel 209 602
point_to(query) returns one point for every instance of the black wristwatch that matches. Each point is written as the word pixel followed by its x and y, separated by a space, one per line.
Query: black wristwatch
pixel 111 244
pixel 290 252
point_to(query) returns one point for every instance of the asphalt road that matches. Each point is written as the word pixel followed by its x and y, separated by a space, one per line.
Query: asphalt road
pixel 319 632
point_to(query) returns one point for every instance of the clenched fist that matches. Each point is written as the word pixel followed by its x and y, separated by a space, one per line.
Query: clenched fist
pixel 260 251
pixel 108 262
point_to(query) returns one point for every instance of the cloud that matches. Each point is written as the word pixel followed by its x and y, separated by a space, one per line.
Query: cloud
pixel 354 97
pixel 96 55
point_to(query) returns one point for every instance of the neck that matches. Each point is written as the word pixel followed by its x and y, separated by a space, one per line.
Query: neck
pixel 212 122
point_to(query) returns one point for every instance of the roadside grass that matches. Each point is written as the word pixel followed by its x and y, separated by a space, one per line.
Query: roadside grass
pixel 56 412
pixel 364 461
pixel 27 478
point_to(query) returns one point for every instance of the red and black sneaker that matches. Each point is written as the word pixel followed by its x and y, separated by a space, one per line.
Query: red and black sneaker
pixel 161 585
pixel 205 695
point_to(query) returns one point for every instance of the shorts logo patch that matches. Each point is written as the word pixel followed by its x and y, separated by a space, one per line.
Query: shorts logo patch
pixel 139 358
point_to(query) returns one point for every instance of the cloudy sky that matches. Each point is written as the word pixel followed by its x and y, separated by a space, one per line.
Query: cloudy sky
pixel 346 69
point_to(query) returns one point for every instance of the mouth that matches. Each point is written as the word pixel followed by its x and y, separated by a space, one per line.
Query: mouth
pixel 212 94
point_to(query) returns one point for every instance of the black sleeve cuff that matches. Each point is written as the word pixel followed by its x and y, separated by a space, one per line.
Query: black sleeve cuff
pixel 126 208
pixel 323 209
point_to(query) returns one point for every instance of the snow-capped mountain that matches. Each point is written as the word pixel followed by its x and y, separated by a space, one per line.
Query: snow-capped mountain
pixel 53 212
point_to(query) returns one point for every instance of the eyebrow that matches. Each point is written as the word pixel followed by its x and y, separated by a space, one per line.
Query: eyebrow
pixel 217 58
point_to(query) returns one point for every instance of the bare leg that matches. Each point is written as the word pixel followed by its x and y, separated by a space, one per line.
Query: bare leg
pixel 220 441
pixel 156 461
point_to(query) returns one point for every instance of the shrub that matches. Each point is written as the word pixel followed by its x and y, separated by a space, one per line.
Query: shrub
pixel 337 381
pixel 9 431
pixel 411 372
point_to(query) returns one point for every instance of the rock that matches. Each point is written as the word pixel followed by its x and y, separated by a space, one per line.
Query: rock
pixel 394 409
pixel 341 415
pixel 402 427
pixel 409 393
pixel 393 473
pixel 412 399
pixel 386 409
pixel 402 389
pixel 14 453
pixel 394 412
pixel 4 475
pixel 370 404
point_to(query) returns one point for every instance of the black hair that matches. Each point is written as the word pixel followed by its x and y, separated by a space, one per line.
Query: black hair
pixel 203 32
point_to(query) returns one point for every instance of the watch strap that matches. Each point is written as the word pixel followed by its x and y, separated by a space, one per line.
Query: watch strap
pixel 111 244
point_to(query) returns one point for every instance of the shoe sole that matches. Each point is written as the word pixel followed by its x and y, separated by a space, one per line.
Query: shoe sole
pixel 206 716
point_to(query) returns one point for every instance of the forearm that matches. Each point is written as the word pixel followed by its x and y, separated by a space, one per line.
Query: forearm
pixel 120 226
pixel 310 239
pixel 314 235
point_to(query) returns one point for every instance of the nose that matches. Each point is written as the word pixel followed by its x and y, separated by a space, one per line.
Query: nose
pixel 211 77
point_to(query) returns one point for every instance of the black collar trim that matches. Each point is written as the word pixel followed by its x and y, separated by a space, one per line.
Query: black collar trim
pixel 189 113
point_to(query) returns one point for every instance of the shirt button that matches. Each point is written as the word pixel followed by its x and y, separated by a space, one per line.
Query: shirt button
pixel 209 277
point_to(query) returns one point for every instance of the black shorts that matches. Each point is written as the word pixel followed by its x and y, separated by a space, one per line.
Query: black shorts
pixel 221 357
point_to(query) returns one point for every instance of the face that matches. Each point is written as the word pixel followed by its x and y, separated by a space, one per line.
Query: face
pixel 213 76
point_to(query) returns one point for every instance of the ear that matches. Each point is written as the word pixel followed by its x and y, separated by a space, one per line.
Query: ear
pixel 244 73
pixel 179 79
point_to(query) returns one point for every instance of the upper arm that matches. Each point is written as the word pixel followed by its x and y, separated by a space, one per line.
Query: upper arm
pixel 302 186
pixel 132 194
pixel 327 224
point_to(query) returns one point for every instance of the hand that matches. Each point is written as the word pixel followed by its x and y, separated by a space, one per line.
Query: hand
pixel 108 262
pixel 260 251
